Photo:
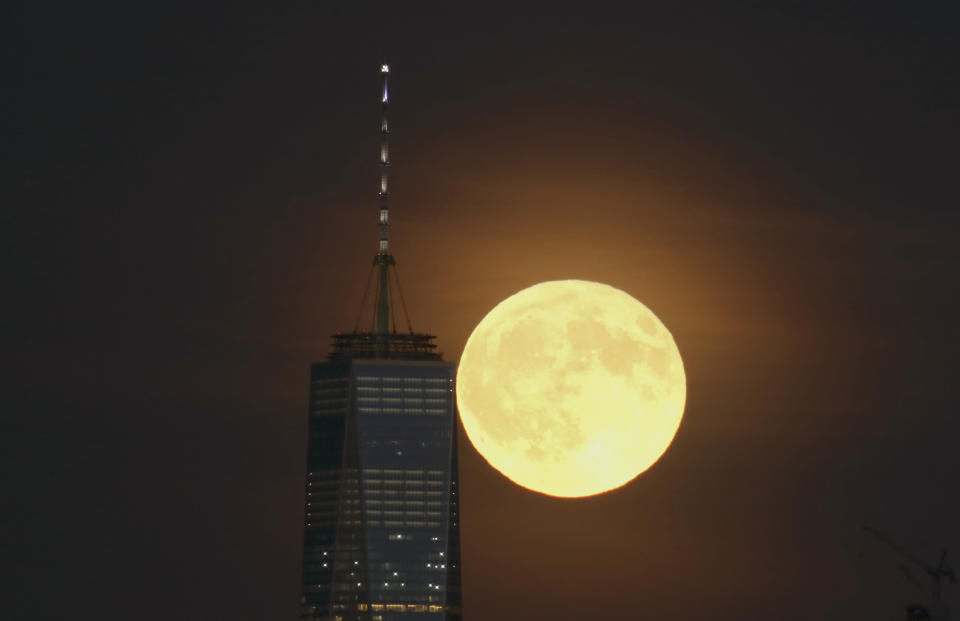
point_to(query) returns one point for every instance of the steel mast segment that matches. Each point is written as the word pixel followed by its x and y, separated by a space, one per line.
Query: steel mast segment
pixel 384 260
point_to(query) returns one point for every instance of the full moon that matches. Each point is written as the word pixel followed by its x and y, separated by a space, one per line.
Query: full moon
pixel 571 388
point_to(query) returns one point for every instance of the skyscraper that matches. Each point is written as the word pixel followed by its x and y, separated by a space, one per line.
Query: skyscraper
pixel 381 525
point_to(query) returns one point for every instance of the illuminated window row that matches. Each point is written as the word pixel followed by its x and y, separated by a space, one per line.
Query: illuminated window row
pixel 407 492
pixel 404 514
pixel 417 476
pixel 406 472
pixel 363 607
pixel 410 411
pixel 399 400
pixel 407 504
pixel 391 389
pixel 412 482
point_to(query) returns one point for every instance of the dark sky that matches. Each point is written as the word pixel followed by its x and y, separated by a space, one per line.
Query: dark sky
pixel 190 212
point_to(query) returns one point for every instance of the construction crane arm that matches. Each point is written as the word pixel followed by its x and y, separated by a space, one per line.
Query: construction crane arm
pixel 906 555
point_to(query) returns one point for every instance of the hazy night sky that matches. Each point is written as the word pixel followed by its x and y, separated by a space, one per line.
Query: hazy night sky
pixel 191 211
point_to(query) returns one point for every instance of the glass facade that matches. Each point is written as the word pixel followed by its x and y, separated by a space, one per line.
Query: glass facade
pixel 382 539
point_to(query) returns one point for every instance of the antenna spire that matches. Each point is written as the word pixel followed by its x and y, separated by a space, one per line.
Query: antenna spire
pixel 383 341
pixel 383 259
pixel 384 164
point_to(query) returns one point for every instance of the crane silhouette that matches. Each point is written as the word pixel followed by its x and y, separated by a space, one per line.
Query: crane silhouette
pixel 936 574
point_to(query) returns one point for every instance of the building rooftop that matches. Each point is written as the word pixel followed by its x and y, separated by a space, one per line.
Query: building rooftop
pixel 394 346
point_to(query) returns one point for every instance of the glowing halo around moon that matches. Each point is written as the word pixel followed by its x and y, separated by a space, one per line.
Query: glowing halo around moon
pixel 571 388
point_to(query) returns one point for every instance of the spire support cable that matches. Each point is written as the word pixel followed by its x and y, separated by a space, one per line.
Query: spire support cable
pixel 403 303
pixel 376 305
pixel 363 300
pixel 393 315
